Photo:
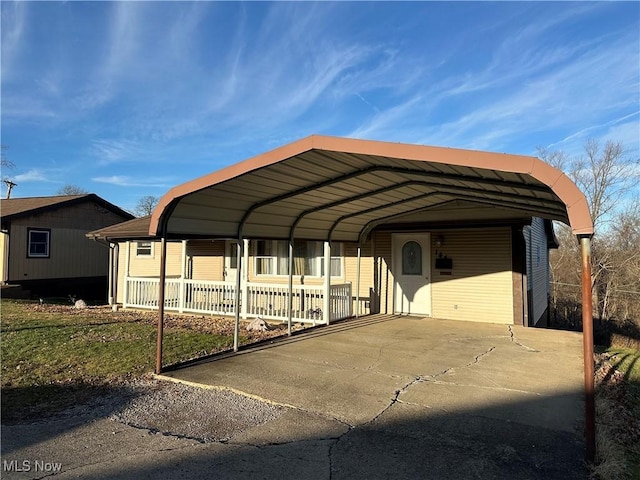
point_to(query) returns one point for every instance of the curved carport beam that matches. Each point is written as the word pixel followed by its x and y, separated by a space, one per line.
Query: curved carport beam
pixel 456 196
pixel 375 209
pixel 400 171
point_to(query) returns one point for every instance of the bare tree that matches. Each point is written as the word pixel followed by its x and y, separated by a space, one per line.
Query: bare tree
pixel 4 161
pixel 146 205
pixel 606 176
pixel 70 189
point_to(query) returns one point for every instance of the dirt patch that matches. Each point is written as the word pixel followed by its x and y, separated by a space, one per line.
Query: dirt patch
pixel 205 415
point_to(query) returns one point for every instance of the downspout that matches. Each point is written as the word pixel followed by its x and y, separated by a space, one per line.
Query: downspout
pixel 116 254
pixel 587 338
pixel 110 276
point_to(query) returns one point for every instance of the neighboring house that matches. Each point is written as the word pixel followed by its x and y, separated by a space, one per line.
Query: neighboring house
pixel 448 265
pixel 43 243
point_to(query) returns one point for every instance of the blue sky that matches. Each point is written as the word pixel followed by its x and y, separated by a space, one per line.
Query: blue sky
pixel 129 99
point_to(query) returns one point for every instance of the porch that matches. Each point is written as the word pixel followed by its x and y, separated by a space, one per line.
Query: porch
pixel 257 299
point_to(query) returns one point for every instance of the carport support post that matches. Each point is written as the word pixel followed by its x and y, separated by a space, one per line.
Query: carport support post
pixel 358 283
pixel 236 329
pixel 163 275
pixel 587 338
pixel 290 305
pixel 326 304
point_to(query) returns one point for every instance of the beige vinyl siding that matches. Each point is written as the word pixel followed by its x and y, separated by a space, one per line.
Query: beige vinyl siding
pixel 144 266
pixel 480 287
pixel 71 255
pixel 147 266
pixel 206 259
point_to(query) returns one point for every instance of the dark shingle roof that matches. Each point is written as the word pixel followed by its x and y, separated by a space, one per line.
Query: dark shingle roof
pixel 22 207
pixel 136 228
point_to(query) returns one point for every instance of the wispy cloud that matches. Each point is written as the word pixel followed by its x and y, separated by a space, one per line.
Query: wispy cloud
pixel 127 181
pixel 13 25
pixel 111 151
pixel 35 175
pixel 565 93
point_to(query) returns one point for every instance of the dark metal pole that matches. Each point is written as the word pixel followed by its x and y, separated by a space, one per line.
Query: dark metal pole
pixel 163 274
pixel 587 337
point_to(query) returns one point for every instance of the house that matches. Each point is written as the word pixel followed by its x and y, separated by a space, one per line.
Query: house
pixel 464 246
pixel 43 244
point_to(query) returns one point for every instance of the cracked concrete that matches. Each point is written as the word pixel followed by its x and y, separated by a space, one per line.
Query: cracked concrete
pixel 402 398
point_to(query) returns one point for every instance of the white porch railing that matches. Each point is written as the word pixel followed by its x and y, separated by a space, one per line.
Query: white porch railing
pixel 270 301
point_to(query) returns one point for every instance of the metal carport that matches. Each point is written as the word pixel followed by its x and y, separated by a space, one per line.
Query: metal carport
pixel 338 189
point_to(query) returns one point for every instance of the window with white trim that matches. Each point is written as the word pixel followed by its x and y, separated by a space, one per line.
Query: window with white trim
pixel 144 249
pixel 271 258
pixel 38 243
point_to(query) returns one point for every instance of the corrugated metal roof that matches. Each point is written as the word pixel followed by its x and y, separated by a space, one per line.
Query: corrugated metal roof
pixel 322 186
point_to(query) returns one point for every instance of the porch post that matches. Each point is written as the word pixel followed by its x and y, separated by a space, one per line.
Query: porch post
pixel 163 275
pixel 326 306
pixel 183 272
pixel 587 338
pixel 290 299
pixel 244 275
pixel 358 283
pixel 125 287
pixel 236 330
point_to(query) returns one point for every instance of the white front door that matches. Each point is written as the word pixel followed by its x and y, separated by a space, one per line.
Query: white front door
pixel 231 261
pixel 412 273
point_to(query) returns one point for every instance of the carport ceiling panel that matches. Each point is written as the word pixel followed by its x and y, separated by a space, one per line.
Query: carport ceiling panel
pixel 313 167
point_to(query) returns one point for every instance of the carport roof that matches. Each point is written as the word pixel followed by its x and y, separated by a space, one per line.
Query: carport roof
pixel 339 189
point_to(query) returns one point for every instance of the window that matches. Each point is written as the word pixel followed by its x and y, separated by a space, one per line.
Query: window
pixel 38 241
pixel 412 259
pixel 144 249
pixel 272 258
pixel 336 259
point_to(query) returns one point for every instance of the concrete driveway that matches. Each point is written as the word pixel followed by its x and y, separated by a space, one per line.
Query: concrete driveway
pixel 383 397
pixel 374 398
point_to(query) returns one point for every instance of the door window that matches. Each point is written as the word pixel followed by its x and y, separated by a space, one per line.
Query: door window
pixel 412 258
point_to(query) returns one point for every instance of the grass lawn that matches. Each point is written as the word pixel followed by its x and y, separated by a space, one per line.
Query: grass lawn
pixel 618 410
pixel 627 361
pixel 48 352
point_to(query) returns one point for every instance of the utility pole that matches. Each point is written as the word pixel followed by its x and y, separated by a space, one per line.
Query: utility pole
pixel 10 186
